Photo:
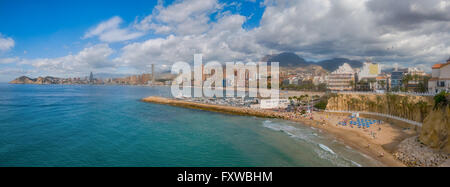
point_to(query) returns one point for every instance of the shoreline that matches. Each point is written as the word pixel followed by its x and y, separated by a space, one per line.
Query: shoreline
pixel 354 138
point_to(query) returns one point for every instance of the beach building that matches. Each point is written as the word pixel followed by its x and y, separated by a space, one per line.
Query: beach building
pixel 440 77
pixel 274 103
pixel 318 80
pixel 341 79
pixel 367 76
pixel 416 71
pixel 369 71
pixel 382 82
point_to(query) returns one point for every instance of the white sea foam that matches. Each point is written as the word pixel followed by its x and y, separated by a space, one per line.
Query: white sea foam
pixel 324 147
pixel 289 130
pixel 355 163
pixel 311 137
pixel 333 158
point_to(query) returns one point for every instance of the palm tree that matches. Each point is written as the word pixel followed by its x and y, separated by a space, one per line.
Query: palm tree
pixel 382 83
pixel 405 81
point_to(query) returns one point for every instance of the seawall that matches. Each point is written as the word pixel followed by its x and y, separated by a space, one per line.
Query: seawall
pixel 214 108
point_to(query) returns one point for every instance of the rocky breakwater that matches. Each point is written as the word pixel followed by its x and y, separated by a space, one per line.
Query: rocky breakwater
pixel 215 108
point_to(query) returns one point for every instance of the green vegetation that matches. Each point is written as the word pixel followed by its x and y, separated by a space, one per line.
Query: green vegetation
pixel 305 87
pixel 323 101
pixel 441 99
pixel 322 104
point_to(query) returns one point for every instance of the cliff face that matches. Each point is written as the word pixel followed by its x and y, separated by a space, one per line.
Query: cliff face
pixel 436 122
pixel 23 80
pixel 436 128
pixel 410 107
pixel 40 80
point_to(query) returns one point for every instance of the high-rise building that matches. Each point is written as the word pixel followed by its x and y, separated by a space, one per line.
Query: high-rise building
pixel 396 80
pixel 342 79
pixel 91 78
pixel 153 73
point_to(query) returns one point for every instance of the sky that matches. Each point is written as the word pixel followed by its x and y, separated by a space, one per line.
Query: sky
pixel 71 38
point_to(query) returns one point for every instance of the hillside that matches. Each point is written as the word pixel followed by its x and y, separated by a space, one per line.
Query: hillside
pixel 23 80
pixel 288 59
pixel 333 64
pixel 314 69
pixel 40 80
pixel 436 126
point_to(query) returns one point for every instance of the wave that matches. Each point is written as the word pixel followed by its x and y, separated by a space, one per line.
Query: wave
pixel 355 163
pixel 326 149
pixel 311 137
pixel 289 130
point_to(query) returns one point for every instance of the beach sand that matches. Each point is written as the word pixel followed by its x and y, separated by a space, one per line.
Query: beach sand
pixel 378 141
pixel 379 148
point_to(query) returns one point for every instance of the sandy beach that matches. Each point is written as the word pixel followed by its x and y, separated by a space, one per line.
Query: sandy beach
pixel 376 142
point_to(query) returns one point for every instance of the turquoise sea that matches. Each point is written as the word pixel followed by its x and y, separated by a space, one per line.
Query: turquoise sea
pixel 84 125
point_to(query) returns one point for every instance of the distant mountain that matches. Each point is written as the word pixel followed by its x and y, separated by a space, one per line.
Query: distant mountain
pixel 333 64
pixel 23 80
pixel 39 80
pixel 287 59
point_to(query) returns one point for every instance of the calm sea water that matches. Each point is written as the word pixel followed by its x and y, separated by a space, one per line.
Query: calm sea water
pixel 82 125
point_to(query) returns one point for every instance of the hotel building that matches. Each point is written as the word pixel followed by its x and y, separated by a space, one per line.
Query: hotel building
pixel 342 79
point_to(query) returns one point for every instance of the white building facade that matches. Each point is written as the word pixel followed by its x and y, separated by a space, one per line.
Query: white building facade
pixel 440 78
pixel 342 79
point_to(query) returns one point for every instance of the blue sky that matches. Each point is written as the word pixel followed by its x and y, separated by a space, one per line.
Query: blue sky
pixel 56 26
pixel 67 38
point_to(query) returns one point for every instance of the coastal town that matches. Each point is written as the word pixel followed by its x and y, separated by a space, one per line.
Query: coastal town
pixel 370 77
pixel 225 83
pixel 367 109
pixel 367 105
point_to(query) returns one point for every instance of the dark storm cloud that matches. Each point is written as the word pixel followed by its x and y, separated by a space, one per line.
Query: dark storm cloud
pixel 408 14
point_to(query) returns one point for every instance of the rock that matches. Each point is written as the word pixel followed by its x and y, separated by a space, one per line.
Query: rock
pixel 436 128
pixel 412 153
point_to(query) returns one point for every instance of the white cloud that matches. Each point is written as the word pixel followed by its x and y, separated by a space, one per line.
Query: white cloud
pixel 9 60
pixel 6 43
pixel 225 40
pixel 95 58
pixel 181 18
pixel 359 29
pixel 110 31
pixel 412 33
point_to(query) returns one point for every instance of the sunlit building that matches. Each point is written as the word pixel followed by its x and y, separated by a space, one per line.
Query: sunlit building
pixel 342 79
pixel 440 77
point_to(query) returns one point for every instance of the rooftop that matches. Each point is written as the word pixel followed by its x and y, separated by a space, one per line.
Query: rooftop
pixel 439 66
